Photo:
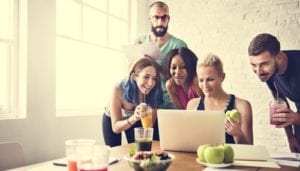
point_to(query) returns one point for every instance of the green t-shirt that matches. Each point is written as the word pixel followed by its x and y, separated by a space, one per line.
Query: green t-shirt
pixel 171 43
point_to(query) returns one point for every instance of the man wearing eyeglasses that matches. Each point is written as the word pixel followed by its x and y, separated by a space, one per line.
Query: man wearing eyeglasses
pixel 159 19
pixel 281 71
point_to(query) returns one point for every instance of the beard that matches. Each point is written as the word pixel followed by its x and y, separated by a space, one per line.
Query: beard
pixel 275 71
pixel 268 76
pixel 159 33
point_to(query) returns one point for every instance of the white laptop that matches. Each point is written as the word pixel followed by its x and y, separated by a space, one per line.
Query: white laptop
pixel 185 130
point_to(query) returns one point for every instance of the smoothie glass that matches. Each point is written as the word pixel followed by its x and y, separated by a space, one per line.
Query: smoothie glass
pixel 274 104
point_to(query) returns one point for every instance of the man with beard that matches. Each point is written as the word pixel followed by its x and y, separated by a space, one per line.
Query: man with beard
pixel 159 19
pixel 281 71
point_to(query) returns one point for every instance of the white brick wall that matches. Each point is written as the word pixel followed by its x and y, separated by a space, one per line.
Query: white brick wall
pixel 226 27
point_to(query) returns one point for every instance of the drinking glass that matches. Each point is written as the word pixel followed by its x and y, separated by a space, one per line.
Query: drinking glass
pixel 274 104
pixel 76 148
pixel 143 138
pixel 97 160
pixel 147 117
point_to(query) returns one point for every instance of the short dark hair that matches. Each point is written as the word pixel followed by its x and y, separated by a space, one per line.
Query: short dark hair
pixel 264 42
pixel 160 4
pixel 189 59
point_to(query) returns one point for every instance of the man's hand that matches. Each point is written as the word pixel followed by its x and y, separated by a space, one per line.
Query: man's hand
pixel 287 116
pixel 138 42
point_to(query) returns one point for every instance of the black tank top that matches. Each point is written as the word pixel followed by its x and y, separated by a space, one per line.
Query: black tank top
pixel 229 106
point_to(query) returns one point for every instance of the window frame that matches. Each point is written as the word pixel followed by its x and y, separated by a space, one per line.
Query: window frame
pixel 130 32
pixel 16 64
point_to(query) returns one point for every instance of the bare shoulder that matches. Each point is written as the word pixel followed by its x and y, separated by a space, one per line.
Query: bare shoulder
pixel 168 84
pixel 193 104
pixel 116 89
pixel 243 105
pixel 117 93
pixel 242 102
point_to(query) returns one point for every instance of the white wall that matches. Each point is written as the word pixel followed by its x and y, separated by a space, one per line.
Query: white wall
pixel 143 25
pixel 226 27
pixel 41 134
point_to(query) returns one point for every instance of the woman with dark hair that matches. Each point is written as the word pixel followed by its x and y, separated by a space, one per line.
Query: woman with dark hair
pixel 182 81
pixel 124 111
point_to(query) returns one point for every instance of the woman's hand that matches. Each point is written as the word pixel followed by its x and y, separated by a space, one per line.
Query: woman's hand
pixel 140 111
pixel 233 128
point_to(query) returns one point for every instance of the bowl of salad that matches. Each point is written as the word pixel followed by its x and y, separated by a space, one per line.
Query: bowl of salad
pixel 150 161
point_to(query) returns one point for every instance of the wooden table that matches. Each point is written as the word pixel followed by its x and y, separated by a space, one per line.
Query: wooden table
pixel 183 161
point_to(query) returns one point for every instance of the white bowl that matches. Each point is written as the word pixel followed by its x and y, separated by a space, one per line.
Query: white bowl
pixel 148 165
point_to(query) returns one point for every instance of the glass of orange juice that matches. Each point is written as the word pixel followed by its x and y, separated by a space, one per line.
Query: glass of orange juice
pixel 147 116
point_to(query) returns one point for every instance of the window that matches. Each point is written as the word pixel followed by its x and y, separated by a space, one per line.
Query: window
pixel 89 58
pixel 12 58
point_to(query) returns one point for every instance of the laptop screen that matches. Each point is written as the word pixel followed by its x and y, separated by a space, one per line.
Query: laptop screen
pixel 186 130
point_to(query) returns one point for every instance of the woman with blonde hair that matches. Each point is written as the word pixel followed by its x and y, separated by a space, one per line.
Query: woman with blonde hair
pixel 210 77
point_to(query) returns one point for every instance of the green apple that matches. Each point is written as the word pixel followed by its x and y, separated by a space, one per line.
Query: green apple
pixel 214 155
pixel 200 152
pixel 132 150
pixel 234 115
pixel 227 114
pixel 228 153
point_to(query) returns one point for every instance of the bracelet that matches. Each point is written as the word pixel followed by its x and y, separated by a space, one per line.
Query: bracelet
pixel 128 122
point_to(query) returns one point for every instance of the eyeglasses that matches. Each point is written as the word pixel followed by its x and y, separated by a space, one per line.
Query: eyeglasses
pixel 163 18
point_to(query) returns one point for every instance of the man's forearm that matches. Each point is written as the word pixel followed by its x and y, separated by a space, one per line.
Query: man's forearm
pixel 289 131
pixel 294 143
